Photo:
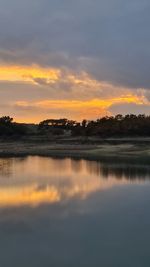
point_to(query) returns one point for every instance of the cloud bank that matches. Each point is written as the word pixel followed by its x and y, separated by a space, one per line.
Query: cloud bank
pixel 74 50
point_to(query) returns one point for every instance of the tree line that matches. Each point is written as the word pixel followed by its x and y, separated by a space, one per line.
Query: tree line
pixel 119 125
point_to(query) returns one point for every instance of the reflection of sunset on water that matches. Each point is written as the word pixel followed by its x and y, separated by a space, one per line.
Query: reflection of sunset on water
pixel 35 180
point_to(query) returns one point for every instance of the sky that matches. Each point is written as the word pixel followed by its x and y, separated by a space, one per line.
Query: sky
pixel 80 59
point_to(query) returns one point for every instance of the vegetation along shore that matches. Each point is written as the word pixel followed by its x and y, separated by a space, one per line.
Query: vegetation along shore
pixel 124 138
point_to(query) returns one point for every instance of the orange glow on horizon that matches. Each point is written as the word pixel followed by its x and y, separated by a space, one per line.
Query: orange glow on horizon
pixel 78 110
pixel 91 103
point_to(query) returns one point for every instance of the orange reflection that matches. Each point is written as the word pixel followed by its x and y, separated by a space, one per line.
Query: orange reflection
pixel 33 196
pixel 35 180
pixel 29 195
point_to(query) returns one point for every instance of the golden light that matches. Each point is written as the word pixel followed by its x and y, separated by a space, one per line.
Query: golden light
pixel 27 73
pixel 82 96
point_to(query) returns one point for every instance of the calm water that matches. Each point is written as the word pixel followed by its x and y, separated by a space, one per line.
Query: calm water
pixel 73 213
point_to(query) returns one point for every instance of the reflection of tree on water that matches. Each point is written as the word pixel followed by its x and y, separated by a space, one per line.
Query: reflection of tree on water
pixel 98 168
pixel 127 171
pixel 77 165
pixel 120 170
pixel 6 166
pixel 36 180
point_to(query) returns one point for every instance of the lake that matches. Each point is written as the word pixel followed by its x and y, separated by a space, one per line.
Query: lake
pixel 73 213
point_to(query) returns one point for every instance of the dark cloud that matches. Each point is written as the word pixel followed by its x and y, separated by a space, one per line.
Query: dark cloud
pixel 130 108
pixel 110 39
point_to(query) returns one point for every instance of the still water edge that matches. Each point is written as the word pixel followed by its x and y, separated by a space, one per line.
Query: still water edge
pixel 65 212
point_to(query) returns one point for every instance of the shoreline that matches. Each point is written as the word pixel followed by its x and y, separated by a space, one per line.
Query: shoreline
pixel 108 150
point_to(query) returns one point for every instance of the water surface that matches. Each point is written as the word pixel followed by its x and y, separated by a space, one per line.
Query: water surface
pixel 68 213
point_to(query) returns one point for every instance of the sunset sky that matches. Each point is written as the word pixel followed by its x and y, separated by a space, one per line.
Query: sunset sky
pixel 74 58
